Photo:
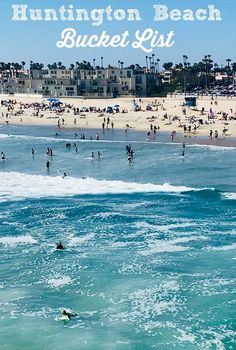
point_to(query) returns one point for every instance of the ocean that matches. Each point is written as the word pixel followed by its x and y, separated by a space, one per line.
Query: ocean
pixel 150 246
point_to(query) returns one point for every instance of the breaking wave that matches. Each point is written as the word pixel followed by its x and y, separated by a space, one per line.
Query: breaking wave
pixel 16 185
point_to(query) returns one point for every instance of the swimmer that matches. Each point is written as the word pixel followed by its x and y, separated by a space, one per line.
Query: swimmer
pixel 3 156
pixel 92 156
pixel 48 165
pixel 59 246
pixel 99 155
pixel 68 314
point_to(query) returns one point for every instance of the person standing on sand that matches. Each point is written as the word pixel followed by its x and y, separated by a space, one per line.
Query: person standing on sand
pixel 216 135
pixel 211 134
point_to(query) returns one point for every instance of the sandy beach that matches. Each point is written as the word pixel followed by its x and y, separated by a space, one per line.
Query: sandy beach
pixel 167 115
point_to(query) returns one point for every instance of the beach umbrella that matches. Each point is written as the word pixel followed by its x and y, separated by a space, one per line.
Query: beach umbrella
pixel 52 99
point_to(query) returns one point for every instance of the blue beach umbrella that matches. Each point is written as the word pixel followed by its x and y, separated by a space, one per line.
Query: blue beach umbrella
pixel 55 100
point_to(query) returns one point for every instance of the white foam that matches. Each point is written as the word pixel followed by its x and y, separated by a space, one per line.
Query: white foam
pixel 213 147
pixel 16 185
pixel 59 282
pixel 222 248
pixel 17 240
pixel 4 136
pixel 169 246
pixel 229 195
pixel 185 337
pixel 74 241
pixel 32 138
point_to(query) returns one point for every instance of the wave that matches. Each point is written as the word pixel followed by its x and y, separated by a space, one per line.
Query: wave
pixel 229 195
pixel 16 185
pixel 75 241
pixel 17 240
pixel 170 246
pixel 213 147
pixel 222 248
pixel 42 138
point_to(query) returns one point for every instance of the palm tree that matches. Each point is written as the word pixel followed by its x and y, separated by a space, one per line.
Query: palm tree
pixel 102 62
pixel 228 70
pixel 94 63
pixel 208 65
pixel 185 59
pixel 72 66
pixel 153 62
pixel 147 62
pixel 158 65
pixel 150 60
pixel 23 65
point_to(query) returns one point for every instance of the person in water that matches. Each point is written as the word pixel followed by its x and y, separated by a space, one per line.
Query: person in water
pixel 59 246
pixel 64 175
pixel 48 165
pixel 68 314
pixel 3 157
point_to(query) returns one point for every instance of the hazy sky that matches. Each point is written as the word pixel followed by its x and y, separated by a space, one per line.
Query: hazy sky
pixel 37 40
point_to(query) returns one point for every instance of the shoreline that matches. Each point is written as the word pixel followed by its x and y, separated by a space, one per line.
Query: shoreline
pixel 133 135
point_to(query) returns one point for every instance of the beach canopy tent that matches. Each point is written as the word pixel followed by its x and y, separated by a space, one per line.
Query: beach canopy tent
pixel 54 102
pixel 190 101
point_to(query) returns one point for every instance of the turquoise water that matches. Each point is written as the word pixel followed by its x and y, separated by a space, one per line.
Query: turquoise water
pixel 150 247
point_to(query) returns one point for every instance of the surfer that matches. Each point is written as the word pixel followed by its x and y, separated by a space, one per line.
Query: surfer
pixel 64 175
pixel 32 151
pixel 59 246
pixel 68 314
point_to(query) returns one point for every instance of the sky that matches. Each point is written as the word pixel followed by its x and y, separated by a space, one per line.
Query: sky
pixel 36 41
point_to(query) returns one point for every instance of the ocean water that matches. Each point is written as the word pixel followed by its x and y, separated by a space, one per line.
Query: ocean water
pixel 150 247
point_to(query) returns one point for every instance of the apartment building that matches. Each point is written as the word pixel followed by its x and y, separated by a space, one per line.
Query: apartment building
pixel 97 83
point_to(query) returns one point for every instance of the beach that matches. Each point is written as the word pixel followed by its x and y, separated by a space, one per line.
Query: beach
pixel 167 115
